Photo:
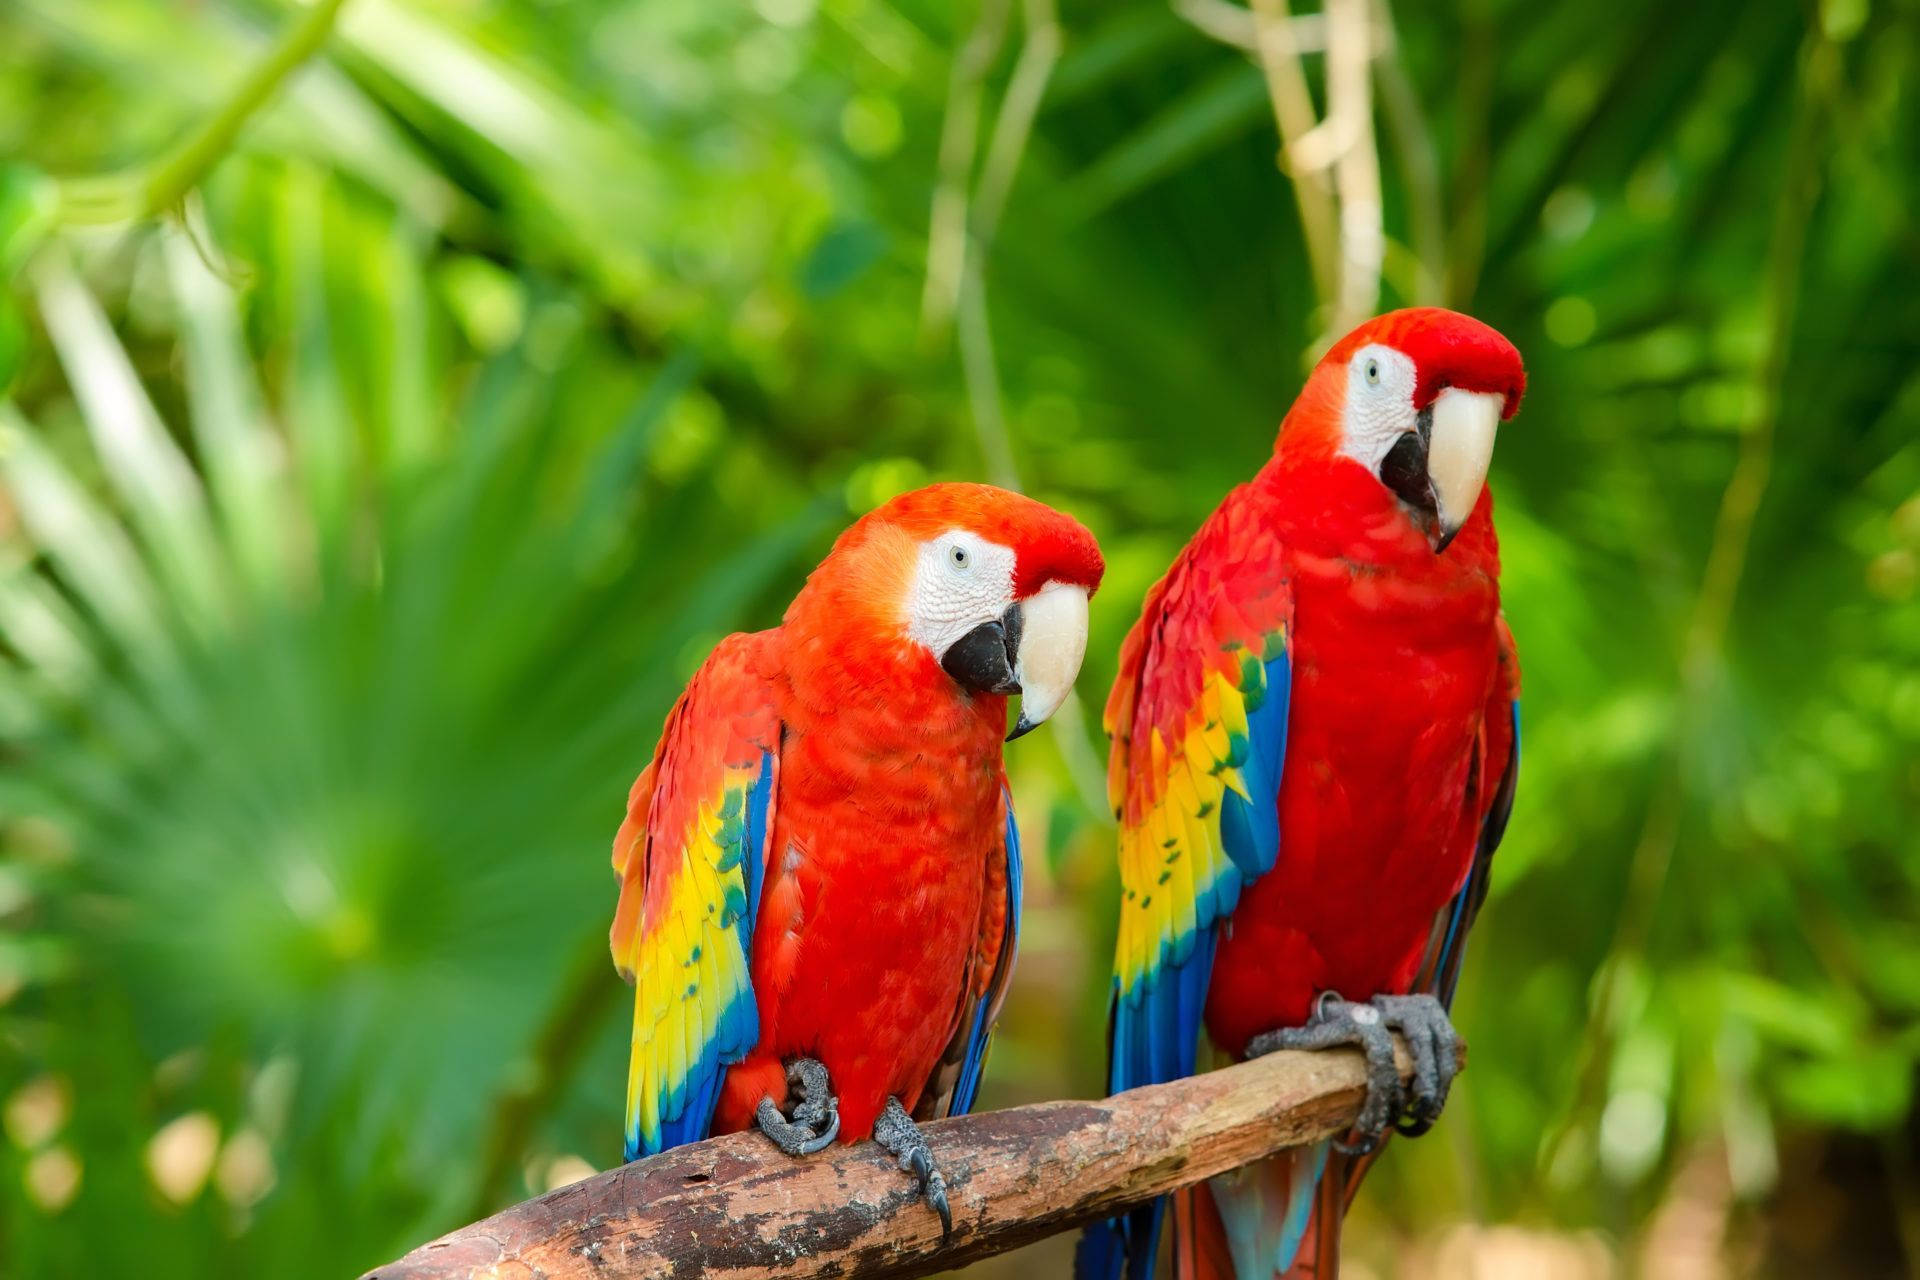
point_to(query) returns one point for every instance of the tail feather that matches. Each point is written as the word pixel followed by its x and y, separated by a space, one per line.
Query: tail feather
pixel 1319 1255
pixel 1279 1219
pixel 1267 1209
pixel 1320 1251
pixel 1276 1220
pixel 1200 1249
pixel 1101 1253
pixel 1126 1245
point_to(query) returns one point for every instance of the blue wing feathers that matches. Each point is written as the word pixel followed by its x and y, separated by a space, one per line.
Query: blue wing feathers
pixel 1102 1251
pixel 759 803
pixel 1466 902
pixel 966 1089
pixel 1145 1053
pixel 1250 832
pixel 1156 1026
pixel 1016 878
pixel 1237 832
pixel 687 1112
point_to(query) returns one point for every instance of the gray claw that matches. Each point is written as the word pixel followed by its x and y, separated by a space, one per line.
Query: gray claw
pixel 1431 1040
pixel 896 1131
pixel 816 1114
pixel 814 1103
pixel 1436 1055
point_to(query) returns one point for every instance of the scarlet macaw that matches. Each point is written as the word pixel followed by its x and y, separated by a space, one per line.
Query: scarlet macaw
pixel 1314 752
pixel 820 871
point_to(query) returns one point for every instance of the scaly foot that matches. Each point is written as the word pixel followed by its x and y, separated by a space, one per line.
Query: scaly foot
pixel 1430 1039
pixel 815 1119
pixel 896 1131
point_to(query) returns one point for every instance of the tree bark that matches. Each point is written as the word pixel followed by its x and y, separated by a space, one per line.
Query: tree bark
pixel 735 1207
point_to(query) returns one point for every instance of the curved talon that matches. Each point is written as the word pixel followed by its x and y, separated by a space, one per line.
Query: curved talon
pixel 1412 1126
pixel 1431 1041
pixel 1446 1042
pixel 1263 1044
pixel 919 1162
pixel 815 1122
pixel 794 1139
pixel 896 1131
pixel 1364 1144
pixel 1435 1048
pixel 1423 1096
pixel 828 1134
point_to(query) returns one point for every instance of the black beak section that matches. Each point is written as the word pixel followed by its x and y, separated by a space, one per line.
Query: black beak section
pixel 982 660
pixel 1404 471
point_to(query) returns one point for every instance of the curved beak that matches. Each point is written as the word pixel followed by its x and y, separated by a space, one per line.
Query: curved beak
pixel 1052 639
pixel 1459 451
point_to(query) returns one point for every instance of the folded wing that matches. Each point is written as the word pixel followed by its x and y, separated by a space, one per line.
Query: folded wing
pixel 955 1086
pixel 1198 719
pixel 691 857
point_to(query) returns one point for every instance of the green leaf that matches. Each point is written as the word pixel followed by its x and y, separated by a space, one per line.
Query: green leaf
pixel 839 257
pixel 92 552
pixel 137 454
pixel 29 207
pixel 239 451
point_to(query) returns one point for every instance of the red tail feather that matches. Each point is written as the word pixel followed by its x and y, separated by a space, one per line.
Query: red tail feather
pixel 1263 1198
pixel 1199 1240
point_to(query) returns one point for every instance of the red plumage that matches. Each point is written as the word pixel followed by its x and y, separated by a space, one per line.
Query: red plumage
pixel 884 902
pixel 881 922
pixel 1398 743
pixel 1397 733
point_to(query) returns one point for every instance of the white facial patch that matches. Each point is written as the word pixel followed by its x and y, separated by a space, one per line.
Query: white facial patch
pixel 1379 407
pixel 960 581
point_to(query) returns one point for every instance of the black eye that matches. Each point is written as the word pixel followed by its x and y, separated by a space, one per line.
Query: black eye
pixel 1373 373
pixel 958 555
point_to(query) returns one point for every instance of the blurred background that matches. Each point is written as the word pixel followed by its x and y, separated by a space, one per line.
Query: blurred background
pixel 398 398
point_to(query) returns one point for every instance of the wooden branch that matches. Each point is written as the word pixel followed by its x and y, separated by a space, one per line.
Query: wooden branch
pixel 735 1207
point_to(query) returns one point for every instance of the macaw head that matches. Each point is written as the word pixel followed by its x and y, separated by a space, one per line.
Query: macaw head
pixel 991 585
pixel 1413 396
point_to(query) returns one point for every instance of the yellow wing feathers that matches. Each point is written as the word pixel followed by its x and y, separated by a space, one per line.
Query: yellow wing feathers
pixel 1172 856
pixel 690 855
pixel 693 992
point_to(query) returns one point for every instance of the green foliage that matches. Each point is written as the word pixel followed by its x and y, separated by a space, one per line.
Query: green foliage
pixel 360 518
